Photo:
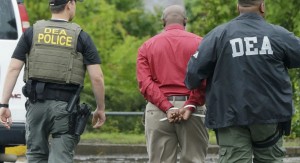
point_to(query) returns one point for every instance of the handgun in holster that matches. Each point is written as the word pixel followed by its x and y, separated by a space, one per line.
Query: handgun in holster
pixel 83 115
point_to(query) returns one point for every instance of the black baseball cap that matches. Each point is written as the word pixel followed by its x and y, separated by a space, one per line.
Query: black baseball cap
pixel 60 2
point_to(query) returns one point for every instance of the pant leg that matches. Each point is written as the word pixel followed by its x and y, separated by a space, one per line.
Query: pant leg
pixel 62 148
pixel 193 138
pixel 37 133
pixel 272 154
pixel 235 145
pixel 161 137
pixel 62 144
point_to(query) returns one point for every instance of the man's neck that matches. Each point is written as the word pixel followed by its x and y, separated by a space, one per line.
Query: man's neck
pixel 59 17
pixel 252 9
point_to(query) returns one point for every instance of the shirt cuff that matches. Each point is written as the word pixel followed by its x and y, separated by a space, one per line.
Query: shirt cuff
pixel 165 106
pixel 191 103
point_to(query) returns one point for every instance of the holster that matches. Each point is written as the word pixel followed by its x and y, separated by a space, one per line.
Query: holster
pixel 286 127
pixel 83 115
pixel 72 122
pixel 283 128
pixel 28 90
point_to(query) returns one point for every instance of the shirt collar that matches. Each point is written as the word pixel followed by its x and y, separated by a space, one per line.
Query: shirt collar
pixel 250 15
pixel 174 26
pixel 59 20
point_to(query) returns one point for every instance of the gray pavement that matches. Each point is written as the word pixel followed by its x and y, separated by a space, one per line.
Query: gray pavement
pixel 138 159
pixel 114 153
pixel 121 149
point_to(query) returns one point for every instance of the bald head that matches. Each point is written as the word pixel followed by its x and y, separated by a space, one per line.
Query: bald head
pixel 174 14
pixel 257 6
pixel 249 3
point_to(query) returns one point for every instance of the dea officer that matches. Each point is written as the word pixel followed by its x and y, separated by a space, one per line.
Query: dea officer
pixel 249 93
pixel 56 54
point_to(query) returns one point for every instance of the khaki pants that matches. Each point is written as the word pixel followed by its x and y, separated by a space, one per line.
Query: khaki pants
pixel 43 119
pixel 164 138
pixel 236 145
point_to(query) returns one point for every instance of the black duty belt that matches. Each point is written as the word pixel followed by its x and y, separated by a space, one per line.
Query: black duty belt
pixel 39 91
pixel 59 95
pixel 178 98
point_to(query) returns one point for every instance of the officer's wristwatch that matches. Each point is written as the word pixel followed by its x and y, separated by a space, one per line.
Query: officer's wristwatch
pixel 3 105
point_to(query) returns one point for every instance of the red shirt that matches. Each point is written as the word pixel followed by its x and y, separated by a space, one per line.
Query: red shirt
pixel 161 67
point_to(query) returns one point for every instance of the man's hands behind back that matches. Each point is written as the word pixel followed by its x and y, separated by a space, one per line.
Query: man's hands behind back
pixel 176 115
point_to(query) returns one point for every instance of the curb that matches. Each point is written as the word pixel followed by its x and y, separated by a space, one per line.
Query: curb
pixel 120 149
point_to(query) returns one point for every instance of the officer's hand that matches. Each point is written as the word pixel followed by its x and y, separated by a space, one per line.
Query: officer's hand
pixel 5 117
pixel 186 113
pixel 98 118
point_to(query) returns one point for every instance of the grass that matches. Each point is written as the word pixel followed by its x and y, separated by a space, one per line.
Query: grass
pixel 113 138
pixel 292 142
pixel 124 138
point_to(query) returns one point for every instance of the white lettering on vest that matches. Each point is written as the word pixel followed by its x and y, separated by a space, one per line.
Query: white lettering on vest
pixel 239 50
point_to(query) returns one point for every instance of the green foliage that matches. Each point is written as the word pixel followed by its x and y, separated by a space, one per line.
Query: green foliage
pixel 296 118
pixel 122 87
pixel 139 24
pixel 37 10
pixel 204 15
pixel 125 5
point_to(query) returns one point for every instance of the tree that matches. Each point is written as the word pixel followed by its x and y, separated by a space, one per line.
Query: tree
pixel 203 15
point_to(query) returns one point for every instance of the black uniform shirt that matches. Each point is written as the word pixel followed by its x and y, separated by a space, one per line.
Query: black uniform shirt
pixel 245 62
pixel 85 46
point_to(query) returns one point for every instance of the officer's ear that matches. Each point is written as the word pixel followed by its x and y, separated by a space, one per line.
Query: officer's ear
pixel 262 8
pixel 68 5
pixel 238 7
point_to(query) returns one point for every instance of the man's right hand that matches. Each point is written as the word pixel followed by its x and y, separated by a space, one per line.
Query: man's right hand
pixel 5 117
pixel 186 113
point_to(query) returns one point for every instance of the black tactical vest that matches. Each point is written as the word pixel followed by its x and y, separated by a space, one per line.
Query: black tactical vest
pixel 53 56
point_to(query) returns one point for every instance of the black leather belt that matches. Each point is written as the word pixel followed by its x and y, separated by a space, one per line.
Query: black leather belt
pixel 178 98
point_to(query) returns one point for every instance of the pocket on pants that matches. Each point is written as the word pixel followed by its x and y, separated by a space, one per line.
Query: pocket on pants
pixel 153 112
pixel 61 119
pixel 278 151
pixel 222 155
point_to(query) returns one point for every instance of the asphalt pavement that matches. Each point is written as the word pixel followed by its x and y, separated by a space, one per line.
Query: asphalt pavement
pixel 120 153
